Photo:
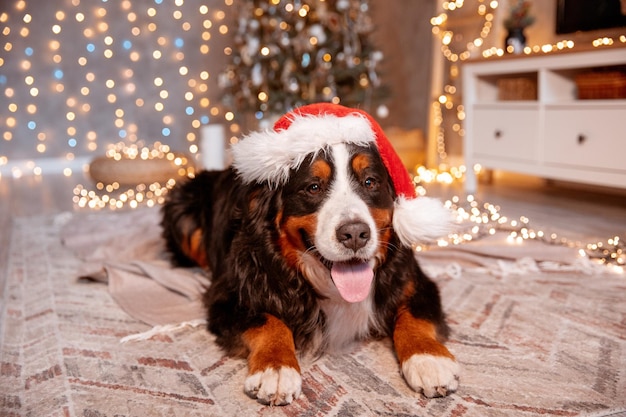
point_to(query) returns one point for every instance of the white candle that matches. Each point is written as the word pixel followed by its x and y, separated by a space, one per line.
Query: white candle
pixel 213 147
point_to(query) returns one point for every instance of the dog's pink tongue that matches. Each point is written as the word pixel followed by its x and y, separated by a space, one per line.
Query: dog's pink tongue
pixel 353 280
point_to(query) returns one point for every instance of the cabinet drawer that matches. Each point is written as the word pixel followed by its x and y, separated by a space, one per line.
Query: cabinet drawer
pixel 506 133
pixel 593 137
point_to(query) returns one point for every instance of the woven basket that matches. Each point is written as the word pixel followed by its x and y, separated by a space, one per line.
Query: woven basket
pixel 601 85
pixel 520 88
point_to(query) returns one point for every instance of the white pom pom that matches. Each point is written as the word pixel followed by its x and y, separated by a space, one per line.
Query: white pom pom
pixel 421 220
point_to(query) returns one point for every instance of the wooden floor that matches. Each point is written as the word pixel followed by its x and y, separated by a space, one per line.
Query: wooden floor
pixel 577 213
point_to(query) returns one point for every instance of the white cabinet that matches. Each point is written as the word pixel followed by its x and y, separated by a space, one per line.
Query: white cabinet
pixel 505 133
pixel 586 138
pixel 555 135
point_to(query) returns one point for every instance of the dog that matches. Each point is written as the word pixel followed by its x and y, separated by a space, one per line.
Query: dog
pixel 308 240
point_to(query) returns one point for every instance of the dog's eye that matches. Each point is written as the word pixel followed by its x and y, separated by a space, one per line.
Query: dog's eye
pixel 314 188
pixel 370 183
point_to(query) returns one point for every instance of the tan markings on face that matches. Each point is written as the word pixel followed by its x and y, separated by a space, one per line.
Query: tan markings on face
pixel 291 227
pixel 382 219
pixel 290 239
pixel 416 336
pixel 360 163
pixel 271 346
pixel 194 249
pixel 321 170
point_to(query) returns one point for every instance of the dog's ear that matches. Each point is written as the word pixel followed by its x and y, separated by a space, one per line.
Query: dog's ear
pixel 261 202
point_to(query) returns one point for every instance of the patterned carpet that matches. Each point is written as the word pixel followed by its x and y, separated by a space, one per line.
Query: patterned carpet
pixel 538 344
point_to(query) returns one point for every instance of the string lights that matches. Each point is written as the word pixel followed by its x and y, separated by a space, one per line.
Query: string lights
pixel 486 219
pixel 54 86
pixel 112 195
pixel 562 45
pixel 485 9
pixel 479 220
pixel 76 78
pixel 447 102
pixel 289 53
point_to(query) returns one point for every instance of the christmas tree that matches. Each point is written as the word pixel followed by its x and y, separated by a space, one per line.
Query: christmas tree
pixel 289 53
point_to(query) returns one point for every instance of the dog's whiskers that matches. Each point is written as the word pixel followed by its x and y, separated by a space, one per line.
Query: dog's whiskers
pixel 310 249
pixel 388 245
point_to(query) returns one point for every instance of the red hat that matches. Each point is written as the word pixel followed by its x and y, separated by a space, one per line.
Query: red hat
pixel 402 182
pixel 270 155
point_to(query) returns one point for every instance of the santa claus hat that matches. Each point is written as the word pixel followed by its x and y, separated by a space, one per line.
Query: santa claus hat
pixel 269 156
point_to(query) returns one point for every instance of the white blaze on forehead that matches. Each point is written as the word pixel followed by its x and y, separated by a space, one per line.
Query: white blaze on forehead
pixel 343 205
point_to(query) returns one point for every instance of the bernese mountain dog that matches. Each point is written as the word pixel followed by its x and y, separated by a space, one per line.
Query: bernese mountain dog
pixel 308 239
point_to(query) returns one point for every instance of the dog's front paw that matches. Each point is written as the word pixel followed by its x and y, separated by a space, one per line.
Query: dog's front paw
pixel 274 386
pixel 434 376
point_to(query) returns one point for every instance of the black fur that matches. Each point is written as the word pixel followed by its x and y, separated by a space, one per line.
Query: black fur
pixel 249 275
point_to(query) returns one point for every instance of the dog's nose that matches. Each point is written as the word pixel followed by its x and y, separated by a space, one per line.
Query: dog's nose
pixel 353 235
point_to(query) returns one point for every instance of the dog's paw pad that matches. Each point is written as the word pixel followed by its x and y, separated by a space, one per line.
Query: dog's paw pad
pixel 274 386
pixel 434 376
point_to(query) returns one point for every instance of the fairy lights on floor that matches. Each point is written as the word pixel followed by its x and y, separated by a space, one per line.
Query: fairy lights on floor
pixel 115 196
pixel 442 175
pixel 485 219
pixel 112 197
pixel 479 220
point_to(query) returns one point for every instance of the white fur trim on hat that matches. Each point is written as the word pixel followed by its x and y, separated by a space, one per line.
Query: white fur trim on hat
pixel 421 220
pixel 270 155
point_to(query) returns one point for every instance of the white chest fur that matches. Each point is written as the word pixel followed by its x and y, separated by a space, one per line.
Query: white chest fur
pixel 347 322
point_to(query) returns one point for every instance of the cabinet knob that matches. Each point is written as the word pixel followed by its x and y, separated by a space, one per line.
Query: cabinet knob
pixel 497 134
pixel 581 139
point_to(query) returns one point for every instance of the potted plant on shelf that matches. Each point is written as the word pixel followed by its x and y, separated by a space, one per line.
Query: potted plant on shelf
pixel 519 18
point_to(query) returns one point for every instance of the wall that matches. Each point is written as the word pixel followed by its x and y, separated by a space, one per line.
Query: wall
pixel 404 36
pixel 541 32
pixel 544 29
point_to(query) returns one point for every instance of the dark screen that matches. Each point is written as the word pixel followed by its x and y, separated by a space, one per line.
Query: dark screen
pixel 586 15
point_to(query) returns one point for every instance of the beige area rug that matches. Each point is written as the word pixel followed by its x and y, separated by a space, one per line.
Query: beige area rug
pixel 534 337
